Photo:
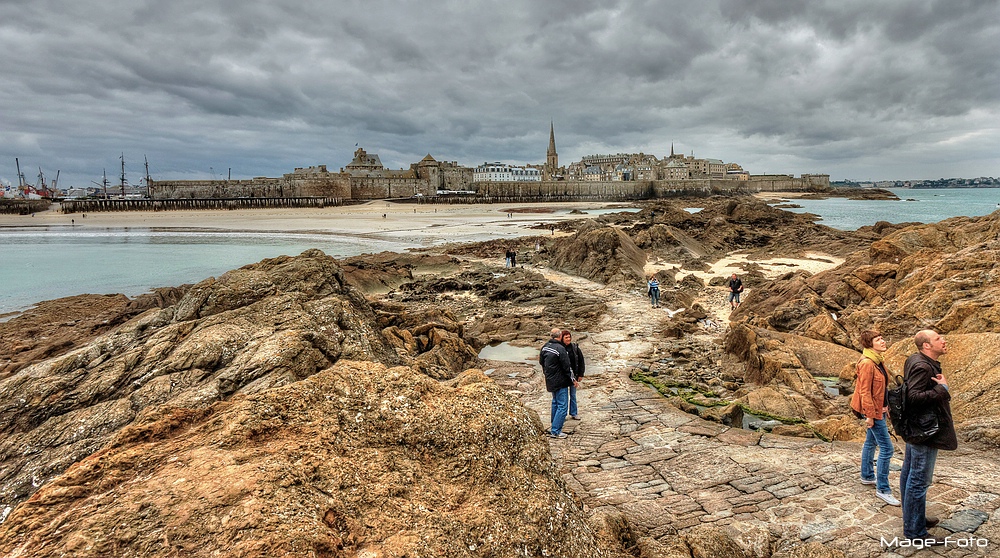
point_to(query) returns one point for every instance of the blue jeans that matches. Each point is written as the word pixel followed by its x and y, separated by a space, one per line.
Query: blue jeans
pixel 877 435
pixel 560 402
pixel 573 411
pixel 654 296
pixel 914 479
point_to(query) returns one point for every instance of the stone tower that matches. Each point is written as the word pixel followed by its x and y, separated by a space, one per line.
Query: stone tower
pixel 551 157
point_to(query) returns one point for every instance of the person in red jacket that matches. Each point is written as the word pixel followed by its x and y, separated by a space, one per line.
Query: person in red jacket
pixel 869 400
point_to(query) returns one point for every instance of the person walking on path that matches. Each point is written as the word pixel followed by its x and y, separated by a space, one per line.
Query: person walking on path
pixel 735 288
pixel 870 401
pixel 927 397
pixel 558 379
pixel 579 367
pixel 653 290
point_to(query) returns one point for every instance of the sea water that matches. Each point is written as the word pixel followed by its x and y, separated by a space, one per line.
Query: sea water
pixel 44 263
pixel 51 262
pixel 914 205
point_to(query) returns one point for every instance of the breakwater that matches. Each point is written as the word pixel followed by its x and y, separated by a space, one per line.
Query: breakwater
pixel 94 206
pixel 23 207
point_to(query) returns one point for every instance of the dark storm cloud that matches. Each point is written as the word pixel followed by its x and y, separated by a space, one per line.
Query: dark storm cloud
pixel 860 89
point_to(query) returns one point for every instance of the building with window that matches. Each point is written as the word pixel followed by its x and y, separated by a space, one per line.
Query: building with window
pixel 502 172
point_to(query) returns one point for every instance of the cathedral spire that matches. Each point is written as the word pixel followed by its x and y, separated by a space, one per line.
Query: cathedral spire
pixel 551 157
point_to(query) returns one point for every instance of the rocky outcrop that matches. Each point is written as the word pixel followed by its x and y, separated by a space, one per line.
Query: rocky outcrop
pixel 605 254
pixel 495 305
pixel 55 327
pixel 726 224
pixel 250 330
pixel 385 271
pixel 356 460
pixel 940 276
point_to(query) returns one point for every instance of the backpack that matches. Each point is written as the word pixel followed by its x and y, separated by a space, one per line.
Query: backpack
pixel 913 430
pixel 897 407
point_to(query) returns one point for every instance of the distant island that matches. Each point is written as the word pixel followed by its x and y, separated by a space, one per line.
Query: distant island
pixel 981 182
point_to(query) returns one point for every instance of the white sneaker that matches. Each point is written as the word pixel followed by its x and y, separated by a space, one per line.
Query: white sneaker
pixel 888 497
pixel 868 482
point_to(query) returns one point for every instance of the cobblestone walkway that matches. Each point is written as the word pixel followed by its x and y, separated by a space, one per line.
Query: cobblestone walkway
pixel 668 471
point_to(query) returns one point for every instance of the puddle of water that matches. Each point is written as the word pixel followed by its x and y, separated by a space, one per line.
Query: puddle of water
pixel 830 385
pixel 509 353
pixel 748 418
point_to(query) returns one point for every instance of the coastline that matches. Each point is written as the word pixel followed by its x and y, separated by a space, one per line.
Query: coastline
pixel 429 222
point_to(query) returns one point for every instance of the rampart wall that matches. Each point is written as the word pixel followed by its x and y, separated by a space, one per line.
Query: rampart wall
pixel 318 183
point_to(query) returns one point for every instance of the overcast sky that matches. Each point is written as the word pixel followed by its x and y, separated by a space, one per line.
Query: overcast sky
pixel 858 89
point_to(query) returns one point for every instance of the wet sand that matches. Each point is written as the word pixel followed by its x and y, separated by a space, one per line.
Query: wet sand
pixel 378 219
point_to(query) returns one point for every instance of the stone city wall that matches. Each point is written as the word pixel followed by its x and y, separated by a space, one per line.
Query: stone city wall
pixel 322 184
pixel 378 188
pixel 252 188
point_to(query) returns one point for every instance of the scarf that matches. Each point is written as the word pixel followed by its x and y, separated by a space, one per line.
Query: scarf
pixel 872 355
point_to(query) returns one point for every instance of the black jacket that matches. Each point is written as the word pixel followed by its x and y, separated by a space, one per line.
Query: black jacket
pixel 576 360
pixel 736 285
pixel 924 395
pixel 556 365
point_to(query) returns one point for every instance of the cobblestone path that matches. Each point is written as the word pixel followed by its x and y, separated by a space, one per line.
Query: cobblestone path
pixel 668 471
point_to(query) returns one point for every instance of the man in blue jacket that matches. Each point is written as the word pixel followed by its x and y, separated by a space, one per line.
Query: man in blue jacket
pixel 927 395
pixel 558 378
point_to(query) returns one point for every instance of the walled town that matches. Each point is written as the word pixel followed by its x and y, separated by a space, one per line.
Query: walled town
pixel 604 177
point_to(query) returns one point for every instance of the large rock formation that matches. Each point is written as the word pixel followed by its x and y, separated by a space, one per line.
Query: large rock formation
pixel 252 329
pixel 942 276
pixel 357 460
pixel 55 327
pixel 604 254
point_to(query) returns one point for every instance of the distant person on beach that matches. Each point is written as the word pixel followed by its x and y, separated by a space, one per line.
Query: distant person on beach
pixel 870 401
pixel 558 378
pixel 653 290
pixel 578 365
pixel 928 401
pixel 735 288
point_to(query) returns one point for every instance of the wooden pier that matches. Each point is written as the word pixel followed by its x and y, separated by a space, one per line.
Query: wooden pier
pixel 94 206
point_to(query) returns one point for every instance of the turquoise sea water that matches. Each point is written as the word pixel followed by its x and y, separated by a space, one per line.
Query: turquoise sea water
pixel 51 262
pixel 923 206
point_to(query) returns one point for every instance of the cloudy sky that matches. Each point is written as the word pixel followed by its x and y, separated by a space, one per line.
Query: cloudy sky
pixel 858 89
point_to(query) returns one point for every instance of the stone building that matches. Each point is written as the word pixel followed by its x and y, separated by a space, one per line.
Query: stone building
pixel 504 172
pixel 364 178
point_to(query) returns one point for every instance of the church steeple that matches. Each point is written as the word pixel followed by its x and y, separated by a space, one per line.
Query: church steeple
pixel 551 157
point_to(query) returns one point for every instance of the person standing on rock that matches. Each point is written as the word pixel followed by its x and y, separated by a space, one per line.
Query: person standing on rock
pixel 558 379
pixel 506 262
pixel 870 400
pixel 927 397
pixel 579 366
pixel 735 288
pixel 653 290
pixel 513 257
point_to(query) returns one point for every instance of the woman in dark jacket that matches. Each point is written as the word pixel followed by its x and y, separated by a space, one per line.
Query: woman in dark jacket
pixel 579 367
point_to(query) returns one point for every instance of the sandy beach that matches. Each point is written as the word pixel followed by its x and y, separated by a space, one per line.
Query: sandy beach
pixel 426 224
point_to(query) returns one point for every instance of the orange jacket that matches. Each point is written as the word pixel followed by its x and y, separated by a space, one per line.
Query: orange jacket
pixel 869 390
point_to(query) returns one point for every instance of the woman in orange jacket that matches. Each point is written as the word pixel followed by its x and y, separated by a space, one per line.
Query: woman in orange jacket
pixel 869 402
